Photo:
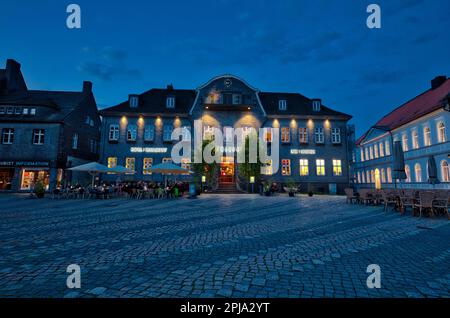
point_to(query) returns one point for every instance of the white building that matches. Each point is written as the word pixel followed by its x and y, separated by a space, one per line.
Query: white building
pixel 422 126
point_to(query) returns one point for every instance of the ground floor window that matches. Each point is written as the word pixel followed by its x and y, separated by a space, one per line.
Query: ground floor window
pixel 267 168
pixel 445 171
pixel 112 163
pixel 130 164
pixel 304 167
pixel 186 163
pixel 30 177
pixel 166 160
pixel 147 166
pixel 286 167
pixel 337 167
pixel 320 167
pixel 6 177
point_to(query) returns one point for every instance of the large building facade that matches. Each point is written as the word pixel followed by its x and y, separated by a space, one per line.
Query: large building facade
pixel 421 125
pixel 313 149
pixel 44 132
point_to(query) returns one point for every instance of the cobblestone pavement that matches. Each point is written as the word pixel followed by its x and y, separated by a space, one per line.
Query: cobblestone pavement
pixel 218 246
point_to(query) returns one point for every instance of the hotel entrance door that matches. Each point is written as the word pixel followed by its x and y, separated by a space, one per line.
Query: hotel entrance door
pixel 226 170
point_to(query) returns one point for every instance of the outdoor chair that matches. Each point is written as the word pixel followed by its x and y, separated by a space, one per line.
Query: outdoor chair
pixel 365 196
pixel 425 202
pixel 389 198
pixel 440 202
pixel 407 200
pixel 351 196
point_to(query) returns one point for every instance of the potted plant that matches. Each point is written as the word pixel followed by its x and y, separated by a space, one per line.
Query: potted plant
pixel 39 189
pixel 290 187
pixel 310 193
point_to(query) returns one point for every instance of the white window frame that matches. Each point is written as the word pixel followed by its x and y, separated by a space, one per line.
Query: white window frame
pixel 442 136
pixel 170 102
pixel 303 135
pixel 319 135
pixel 304 167
pixel 282 104
pixel 337 167
pixel 335 135
pixel 427 136
pixel 320 167
pixel 285 132
pixel 149 132
pixel 114 132
pixel 285 167
pixel 167 132
pixel 131 132
pixel 40 134
pixel 7 136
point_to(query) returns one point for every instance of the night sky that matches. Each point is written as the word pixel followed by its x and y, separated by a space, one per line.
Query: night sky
pixel 318 48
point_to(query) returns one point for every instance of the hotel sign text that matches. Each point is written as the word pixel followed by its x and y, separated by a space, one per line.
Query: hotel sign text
pixel 148 149
pixel 303 151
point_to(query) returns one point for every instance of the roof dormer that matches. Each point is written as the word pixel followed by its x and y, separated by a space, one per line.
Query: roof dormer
pixel 316 104
pixel 133 100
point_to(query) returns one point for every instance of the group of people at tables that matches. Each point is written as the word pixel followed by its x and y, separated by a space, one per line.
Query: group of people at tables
pixel 135 190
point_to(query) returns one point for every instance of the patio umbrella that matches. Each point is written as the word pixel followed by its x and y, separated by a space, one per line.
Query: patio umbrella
pixel 119 170
pixel 399 162
pixel 93 168
pixel 169 168
pixel 432 171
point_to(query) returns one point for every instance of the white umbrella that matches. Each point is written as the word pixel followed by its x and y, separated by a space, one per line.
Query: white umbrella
pixel 93 168
pixel 169 168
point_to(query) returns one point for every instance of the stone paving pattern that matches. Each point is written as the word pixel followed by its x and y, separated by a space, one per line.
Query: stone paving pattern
pixel 218 246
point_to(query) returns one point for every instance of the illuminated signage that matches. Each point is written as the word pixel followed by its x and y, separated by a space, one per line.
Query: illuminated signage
pixel 303 151
pixel 148 149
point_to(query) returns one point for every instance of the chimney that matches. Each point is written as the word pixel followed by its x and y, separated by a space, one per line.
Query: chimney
pixel 87 87
pixel 170 87
pixel 438 81
pixel 12 66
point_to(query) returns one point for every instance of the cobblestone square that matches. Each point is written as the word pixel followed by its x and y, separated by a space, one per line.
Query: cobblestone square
pixel 219 246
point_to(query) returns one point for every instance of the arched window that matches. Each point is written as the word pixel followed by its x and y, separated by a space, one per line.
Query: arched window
pixel 445 171
pixel 389 175
pixel 418 172
pixel 381 150
pixel 359 177
pixel 427 136
pixel 375 150
pixel 415 139
pixel 408 173
pixel 362 154
pixel 363 178
pixel 405 142
pixel 387 148
pixel 372 176
pixel 366 151
pixel 383 176
pixel 367 176
pixel 441 132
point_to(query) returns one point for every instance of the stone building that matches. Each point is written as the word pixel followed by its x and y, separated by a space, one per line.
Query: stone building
pixel 313 138
pixel 44 132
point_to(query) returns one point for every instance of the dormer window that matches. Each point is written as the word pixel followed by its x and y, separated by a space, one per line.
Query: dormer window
pixel 134 101
pixel 18 111
pixel 316 105
pixel 170 102
pixel 33 111
pixel 282 104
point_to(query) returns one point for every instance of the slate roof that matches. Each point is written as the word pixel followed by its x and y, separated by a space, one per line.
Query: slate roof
pixel 56 104
pixel 154 101
pixel 297 104
pixel 423 104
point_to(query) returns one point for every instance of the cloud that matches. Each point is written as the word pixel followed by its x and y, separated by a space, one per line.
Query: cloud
pixel 106 64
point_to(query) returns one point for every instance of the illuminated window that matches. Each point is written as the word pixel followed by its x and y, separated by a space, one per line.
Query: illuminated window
pixel 285 134
pixel 337 167
pixel 375 150
pixel 415 139
pixel 441 132
pixel 266 169
pixel 303 135
pixel 149 133
pixel 320 167
pixel 286 167
pixel 131 132
pixel 408 173
pixel 363 177
pixel 208 132
pixel 164 160
pixel 320 138
pixel 381 150
pixel 368 176
pixel 359 177
pixel 405 142
pixel 418 172
pixel 335 135
pixel 383 175
pixel 389 175
pixel 112 163
pixel 186 163
pixel 130 164
pixel 445 172
pixel 362 154
pixel 366 152
pixel 427 136
pixel 387 148
pixel 371 152
pixel 304 167
pixel 268 134
pixel 113 132
pixel 147 166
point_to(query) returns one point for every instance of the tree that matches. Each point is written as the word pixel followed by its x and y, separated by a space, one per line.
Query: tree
pixel 248 169
pixel 204 169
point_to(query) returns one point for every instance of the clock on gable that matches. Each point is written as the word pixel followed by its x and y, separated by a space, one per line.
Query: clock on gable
pixel 228 83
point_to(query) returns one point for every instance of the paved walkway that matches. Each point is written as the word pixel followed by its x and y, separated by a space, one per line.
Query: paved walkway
pixel 218 246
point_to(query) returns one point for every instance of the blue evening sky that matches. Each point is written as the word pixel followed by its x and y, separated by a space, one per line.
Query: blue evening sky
pixel 318 48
